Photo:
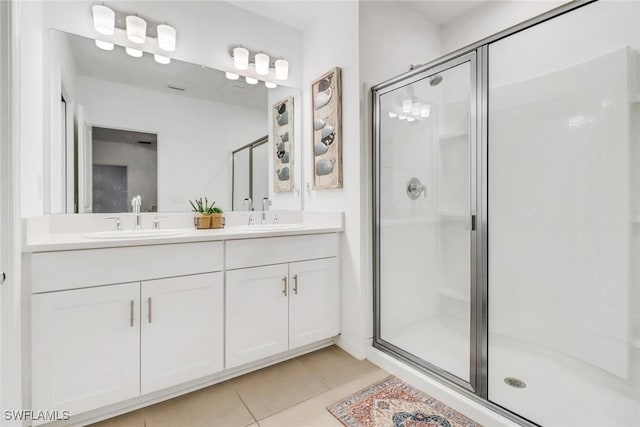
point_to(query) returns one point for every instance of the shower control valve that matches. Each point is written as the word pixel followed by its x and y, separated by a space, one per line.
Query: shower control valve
pixel 415 188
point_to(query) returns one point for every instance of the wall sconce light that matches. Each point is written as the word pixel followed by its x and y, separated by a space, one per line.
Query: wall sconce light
pixel 136 29
pixel 270 85
pixel 104 19
pixel 232 76
pixel 136 53
pixel 262 63
pixel 166 37
pixel 282 69
pixel 251 80
pixel 104 45
pixel 160 59
pixel 241 58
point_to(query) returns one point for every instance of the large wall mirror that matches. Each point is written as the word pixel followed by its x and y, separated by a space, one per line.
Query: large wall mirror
pixel 122 126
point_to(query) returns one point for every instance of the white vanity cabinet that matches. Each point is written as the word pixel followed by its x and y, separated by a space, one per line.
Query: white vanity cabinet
pixel 181 330
pixel 85 347
pixel 280 307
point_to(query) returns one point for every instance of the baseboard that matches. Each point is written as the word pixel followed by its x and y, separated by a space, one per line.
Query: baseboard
pixel 355 349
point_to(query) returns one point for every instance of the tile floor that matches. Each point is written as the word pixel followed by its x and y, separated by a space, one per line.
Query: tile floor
pixel 294 393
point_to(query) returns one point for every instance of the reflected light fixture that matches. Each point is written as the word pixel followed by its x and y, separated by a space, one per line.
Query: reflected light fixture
pixel 251 80
pixel 392 114
pixel 136 53
pixel 241 58
pixel 401 117
pixel 166 37
pixel 232 76
pixel 104 45
pixel 407 105
pixel 270 85
pixel 136 29
pixel 262 64
pixel 282 69
pixel 426 110
pixel 160 59
pixel 411 119
pixel 415 109
pixel 104 19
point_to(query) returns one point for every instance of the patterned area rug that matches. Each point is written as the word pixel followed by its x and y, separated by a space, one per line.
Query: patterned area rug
pixel 393 403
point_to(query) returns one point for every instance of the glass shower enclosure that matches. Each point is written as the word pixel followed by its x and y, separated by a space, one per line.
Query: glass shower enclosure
pixel 507 218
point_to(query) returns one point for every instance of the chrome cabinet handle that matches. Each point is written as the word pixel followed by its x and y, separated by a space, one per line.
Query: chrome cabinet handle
pixel 284 286
pixel 131 303
pixel 149 308
pixel 295 284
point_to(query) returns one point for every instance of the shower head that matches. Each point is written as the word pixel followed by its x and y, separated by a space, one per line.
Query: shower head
pixel 435 80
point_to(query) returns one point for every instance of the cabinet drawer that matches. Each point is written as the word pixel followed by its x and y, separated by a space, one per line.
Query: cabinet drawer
pixel 279 250
pixel 54 271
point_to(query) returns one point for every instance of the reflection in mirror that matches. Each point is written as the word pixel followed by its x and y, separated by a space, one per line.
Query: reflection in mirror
pixel 122 126
pixel 251 174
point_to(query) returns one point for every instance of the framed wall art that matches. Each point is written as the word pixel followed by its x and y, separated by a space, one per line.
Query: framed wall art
pixel 283 143
pixel 326 98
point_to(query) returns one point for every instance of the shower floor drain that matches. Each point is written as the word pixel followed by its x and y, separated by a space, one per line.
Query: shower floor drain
pixel 514 382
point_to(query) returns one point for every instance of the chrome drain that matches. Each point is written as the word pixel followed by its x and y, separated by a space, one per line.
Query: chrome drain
pixel 515 382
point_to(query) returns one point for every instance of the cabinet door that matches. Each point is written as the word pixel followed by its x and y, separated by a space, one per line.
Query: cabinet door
pixel 182 330
pixel 314 307
pixel 257 313
pixel 85 347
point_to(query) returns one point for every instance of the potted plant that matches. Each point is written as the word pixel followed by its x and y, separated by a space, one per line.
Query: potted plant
pixel 217 217
pixel 208 216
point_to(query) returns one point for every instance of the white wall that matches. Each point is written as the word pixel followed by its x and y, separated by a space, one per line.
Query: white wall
pixel 195 137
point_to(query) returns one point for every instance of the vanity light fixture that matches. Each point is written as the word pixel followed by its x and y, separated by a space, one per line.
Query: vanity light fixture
pixel 104 45
pixel 262 64
pixel 251 80
pixel 136 29
pixel 136 53
pixel 232 76
pixel 282 69
pixel 160 59
pixel 270 85
pixel 407 105
pixel 241 58
pixel 166 37
pixel 104 19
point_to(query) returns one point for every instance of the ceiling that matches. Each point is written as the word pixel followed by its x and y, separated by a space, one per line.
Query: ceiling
pixel 199 82
pixel 300 14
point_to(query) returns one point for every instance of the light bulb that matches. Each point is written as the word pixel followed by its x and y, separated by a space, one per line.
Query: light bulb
pixel 241 58
pixel 160 59
pixel 104 19
pixel 104 45
pixel 270 85
pixel 262 64
pixel 426 110
pixel 166 37
pixel 251 80
pixel 407 105
pixel 232 76
pixel 415 109
pixel 392 114
pixel 282 69
pixel 136 53
pixel 136 29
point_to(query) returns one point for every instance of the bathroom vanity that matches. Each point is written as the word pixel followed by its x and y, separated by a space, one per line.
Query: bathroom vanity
pixel 121 323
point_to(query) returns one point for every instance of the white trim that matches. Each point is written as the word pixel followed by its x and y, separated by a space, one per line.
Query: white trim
pixel 10 225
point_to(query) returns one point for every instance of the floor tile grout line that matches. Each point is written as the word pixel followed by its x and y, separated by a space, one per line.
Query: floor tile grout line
pixel 245 405
pixel 313 375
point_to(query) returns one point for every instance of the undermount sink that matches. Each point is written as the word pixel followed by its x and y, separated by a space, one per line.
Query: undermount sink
pixel 272 227
pixel 133 234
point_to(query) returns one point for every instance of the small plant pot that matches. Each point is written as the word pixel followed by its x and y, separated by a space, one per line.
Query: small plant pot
pixel 202 221
pixel 217 220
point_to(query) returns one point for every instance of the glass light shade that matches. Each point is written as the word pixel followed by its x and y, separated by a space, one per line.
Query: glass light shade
pixel 136 53
pixel 415 109
pixel 166 37
pixel 392 114
pixel 136 29
pixel 104 19
pixel 251 80
pixel 241 58
pixel 411 119
pixel 262 64
pixel 104 45
pixel 282 69
pixel 270 85
pixel 407 105
pixel 426 110
pixel 401 117
pixel 232 76
pixel 160 59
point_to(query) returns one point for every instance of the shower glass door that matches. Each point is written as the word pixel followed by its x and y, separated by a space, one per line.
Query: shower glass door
pixel 424 207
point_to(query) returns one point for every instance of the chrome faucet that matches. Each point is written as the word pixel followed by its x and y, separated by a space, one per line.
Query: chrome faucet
pixel 266 203
pixel 136 202
pixel 248 202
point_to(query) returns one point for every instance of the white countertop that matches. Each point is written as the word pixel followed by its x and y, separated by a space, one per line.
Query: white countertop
pixel 47 240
